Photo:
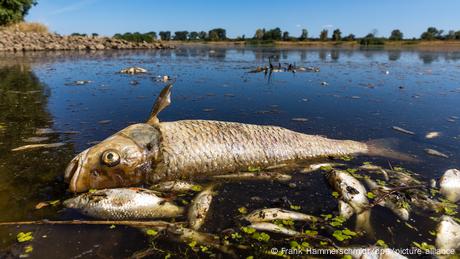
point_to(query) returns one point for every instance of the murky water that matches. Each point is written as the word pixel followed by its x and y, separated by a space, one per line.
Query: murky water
pixel 367 92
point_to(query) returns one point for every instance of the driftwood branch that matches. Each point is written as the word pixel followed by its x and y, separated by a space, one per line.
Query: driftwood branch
pixel 91 222
pixel 392 191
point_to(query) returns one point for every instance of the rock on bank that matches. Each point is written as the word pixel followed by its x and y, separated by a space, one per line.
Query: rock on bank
pixel 33 41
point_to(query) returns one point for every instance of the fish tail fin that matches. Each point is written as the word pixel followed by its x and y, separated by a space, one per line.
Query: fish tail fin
pixel 386 148
pixel 363 223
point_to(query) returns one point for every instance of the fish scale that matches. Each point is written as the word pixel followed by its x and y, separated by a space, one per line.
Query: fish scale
pixel 191 147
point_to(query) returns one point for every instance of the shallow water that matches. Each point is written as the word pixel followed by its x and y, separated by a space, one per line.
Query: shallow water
pixel 367 92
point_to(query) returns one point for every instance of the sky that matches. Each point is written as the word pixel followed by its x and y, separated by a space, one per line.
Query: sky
pixel 243 17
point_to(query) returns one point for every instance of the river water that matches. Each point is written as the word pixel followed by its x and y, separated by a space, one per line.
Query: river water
pixel 357 94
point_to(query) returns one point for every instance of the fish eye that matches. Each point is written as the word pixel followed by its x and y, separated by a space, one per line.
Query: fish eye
pixel 110 158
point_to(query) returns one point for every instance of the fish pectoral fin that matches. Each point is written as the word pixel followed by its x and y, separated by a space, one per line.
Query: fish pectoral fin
pixel 163 100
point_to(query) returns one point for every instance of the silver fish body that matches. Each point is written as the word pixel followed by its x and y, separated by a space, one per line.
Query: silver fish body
pixel 124 204
pixel 199 208
pixel 450 185
pixel 264 215
pixel 448 234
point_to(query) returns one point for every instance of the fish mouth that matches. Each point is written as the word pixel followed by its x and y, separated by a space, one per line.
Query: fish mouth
pixel 74 174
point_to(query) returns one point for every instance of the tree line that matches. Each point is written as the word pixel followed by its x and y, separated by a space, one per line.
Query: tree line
pixel 277 34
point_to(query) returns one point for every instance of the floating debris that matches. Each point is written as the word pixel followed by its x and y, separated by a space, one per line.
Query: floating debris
pixel 124 204
pixel 433 152
pixel 104 121
pixel 254 176
pixel 403 130
pixel 324 83
pixel 199 208
pixel 433 134
pixel 37 146
pixel 133 70
pixel 450 185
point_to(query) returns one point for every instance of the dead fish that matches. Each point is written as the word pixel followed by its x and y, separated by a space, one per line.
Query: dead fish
pixel 316 167
pixel 270 227
pixel 450 185
pixel 199 208
pixel 271 214
pixel 392 201
pixel 82 82
pixel 448 234
pixel 186 235
pixel 403 130
pixel 352 198
pixel 37 146
pixel 43 131
pixel 433 152
pixel 300 119
pixel 376 168
pixel 35 139
pixel 255 176
pixel 156 151
pixel 433 134
pixel 175 186
pixel 133 70
pixel 124 204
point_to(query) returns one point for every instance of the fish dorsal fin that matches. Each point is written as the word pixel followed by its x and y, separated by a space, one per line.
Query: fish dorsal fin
pixel 163 100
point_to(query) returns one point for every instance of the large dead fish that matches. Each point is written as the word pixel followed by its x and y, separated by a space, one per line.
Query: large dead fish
pixel 154 151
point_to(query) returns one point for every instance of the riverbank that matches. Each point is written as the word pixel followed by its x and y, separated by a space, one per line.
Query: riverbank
pixel 11 40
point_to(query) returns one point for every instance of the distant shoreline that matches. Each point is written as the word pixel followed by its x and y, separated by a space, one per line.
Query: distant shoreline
pixel 405 44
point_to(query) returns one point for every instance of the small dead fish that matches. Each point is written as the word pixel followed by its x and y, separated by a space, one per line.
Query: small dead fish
pixel 255 176
pixel 433 134
pixel 315 167
pixel 448 234
pixel 35 139
pixel 124 204
pixel 175 186
pixel 104 121
pixel 270 227
pixel 43 131
pixel 187 235
pixel 450 185
pixel 37 146
pixel 352 199
pixel 403 130
pixel 271 214
pixel 82 82
pixel 199 208
pixel 324 83
pixel 433 152
pixel 133 70
pixel 299 119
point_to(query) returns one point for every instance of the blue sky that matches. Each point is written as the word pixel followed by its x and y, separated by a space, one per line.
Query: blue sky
pixel 240 17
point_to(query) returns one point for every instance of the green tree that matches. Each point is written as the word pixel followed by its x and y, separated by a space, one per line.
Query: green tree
pixel 323 35
pixel 217 34
pixel 349 37
pixel 457 35
pixel 370 39
pixel 396 35
pixel 304 35
pixel 336 35
pixel 181 35
pixel 431 33
pixel 286 35
pixel 165 35
pixel 152 35
pixel 202 35
pixel 259 35
pixel 193 35
pixel 94 34
pixel 273 34
pixel 12 11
